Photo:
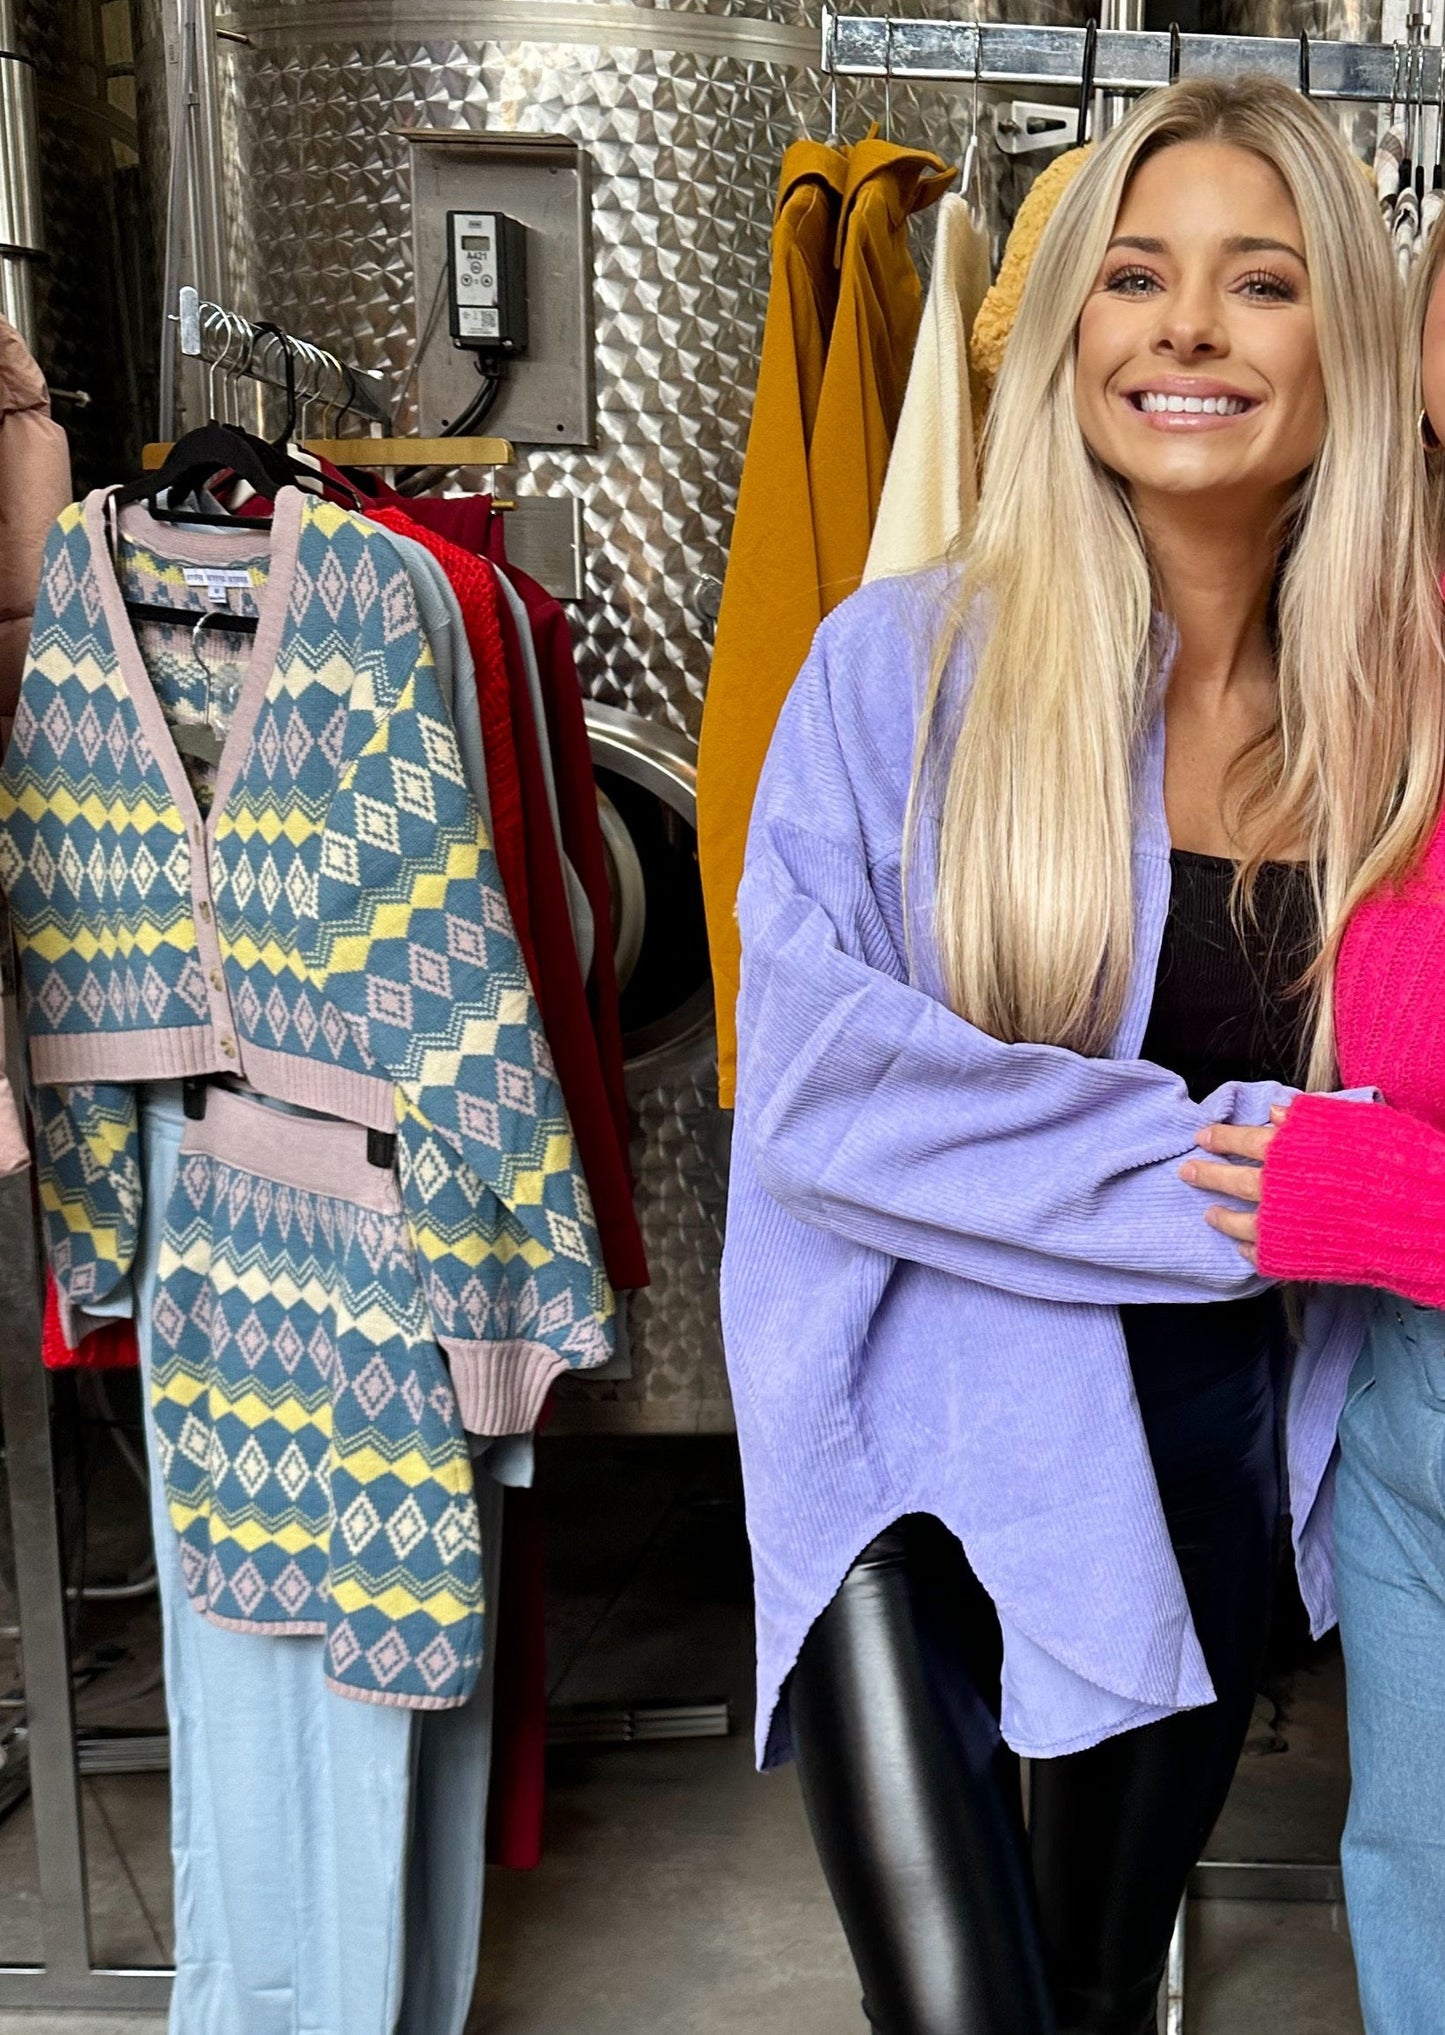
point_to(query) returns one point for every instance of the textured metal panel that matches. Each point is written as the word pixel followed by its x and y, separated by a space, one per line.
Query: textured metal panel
pixel 685 125
pixel 96 317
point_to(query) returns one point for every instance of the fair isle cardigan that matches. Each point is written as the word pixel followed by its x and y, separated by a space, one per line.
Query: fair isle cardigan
pixel 334 931
pixel 930 1233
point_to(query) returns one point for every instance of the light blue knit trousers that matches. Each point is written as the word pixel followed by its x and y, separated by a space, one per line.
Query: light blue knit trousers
pixel 1390 1564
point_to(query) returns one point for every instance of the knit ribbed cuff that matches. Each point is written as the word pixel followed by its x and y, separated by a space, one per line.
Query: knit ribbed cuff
pixel 1354 1195
pixel 501 1387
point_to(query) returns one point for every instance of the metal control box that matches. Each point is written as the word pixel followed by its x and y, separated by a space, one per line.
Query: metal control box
pixel 487 283
pixel 526 195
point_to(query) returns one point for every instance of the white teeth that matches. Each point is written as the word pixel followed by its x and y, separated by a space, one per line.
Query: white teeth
pixel 1154 404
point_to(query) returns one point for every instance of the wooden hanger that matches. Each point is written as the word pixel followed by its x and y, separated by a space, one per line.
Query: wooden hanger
pixel 389 452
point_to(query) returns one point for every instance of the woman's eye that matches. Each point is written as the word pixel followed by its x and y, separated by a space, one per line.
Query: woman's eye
pixel 1267 286
pixel 1132 282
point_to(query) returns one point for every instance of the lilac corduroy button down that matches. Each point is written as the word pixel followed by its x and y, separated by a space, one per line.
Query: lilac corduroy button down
pixel 930 1235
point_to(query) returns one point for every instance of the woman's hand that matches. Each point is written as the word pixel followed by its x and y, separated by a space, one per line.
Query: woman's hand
pixel 1241 1182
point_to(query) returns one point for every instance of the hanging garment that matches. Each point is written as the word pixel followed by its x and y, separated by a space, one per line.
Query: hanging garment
pixel 931 490
pixel 14 1152
pixel 579 910
pixel 344 945
pixel 581 828
pixel 563 997
pixel 315 1468
pixel 112 1344
pixel 444 626
pixel 880 305
pixel 1000 307
pixel 550 947
pixel 472 522
pixel 315 1901
pixel 476 589
pixel 770 604
pixel 841 327
pixel 34 488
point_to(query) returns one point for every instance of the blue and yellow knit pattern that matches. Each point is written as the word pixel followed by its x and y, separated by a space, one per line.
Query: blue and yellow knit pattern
pixel 361 918
pixel 315 1469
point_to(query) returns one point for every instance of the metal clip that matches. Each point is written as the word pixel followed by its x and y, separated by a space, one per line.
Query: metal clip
pixel 1025 125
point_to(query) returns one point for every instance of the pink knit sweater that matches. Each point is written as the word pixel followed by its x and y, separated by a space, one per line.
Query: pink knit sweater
pixel 1355 1192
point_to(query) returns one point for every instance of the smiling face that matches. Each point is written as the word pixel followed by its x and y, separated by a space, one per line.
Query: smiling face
pixel 1197 367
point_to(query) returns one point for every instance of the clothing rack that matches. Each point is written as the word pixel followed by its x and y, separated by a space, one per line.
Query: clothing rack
pixel 1126 60
pixel 237 348
pixel 230 344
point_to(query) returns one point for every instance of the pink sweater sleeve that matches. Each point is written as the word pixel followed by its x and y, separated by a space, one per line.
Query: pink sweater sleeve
pixel 1354 1194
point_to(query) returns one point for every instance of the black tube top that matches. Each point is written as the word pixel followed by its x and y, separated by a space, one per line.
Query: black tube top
pixel 1224 1007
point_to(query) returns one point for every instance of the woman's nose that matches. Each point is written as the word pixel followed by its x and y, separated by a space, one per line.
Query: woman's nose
pixel 1190 327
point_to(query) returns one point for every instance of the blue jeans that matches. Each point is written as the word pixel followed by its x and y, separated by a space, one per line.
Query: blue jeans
pixel 1390 1564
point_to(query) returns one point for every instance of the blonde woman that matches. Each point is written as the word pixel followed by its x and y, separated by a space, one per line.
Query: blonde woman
pixel 1043 842
pixel 1357 1195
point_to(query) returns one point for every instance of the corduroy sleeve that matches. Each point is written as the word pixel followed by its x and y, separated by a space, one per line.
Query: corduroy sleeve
pixel 414 944
pixel 1356 1196
pixel 872 1110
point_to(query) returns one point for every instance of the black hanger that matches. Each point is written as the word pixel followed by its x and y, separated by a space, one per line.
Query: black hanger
pixel 198 457
pixel 288 429
pixel 1304 61
pixel 1086 83
pixel 1175 53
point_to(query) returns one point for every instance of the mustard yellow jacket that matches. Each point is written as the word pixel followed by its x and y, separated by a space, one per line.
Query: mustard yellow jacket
pixel 842 318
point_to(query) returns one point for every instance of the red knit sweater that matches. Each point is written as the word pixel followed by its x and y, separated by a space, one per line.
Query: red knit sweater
pixel 1355 1192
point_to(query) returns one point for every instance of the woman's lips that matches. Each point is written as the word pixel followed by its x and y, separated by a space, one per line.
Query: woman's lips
pixel 1211 409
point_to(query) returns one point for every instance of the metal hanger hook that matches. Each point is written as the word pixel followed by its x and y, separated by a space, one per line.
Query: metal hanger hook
pixel 888 79
pixel 201 621
pixel 830 23
pixel 970 157
pixel 1086 82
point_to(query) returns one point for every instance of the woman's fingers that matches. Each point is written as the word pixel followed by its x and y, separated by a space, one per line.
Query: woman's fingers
pixel 1241 1183
pixel 1236 1223
pixel 1238 1141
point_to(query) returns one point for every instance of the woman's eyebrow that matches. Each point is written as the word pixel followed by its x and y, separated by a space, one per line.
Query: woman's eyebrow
pixel 1246 243
pixel 1240 243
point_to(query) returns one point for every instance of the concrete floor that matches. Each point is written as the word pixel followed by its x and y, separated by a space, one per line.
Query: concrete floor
pixel 679 1891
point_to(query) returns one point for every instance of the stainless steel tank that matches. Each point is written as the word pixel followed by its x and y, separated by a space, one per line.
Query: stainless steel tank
pixel 684 112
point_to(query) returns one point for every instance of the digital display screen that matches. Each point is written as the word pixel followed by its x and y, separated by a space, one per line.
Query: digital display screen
pixel 476 243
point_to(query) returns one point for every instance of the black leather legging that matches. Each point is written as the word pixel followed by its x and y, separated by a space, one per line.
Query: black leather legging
pixel 960 1923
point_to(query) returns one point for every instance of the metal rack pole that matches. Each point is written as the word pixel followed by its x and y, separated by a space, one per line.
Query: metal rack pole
pixel 207 332
pixel 1128 60
pixel 21 235
pixel 66 1979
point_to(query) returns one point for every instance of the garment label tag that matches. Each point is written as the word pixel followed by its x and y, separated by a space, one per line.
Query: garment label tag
pixel 217 581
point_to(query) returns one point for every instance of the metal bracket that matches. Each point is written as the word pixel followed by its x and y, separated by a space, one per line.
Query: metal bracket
pixel 1024 125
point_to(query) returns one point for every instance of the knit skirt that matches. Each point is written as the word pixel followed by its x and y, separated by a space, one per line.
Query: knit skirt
pixel 315 1468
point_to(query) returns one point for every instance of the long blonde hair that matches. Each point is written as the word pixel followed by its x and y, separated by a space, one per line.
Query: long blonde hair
pixel 1034 899
pixel 1420 616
